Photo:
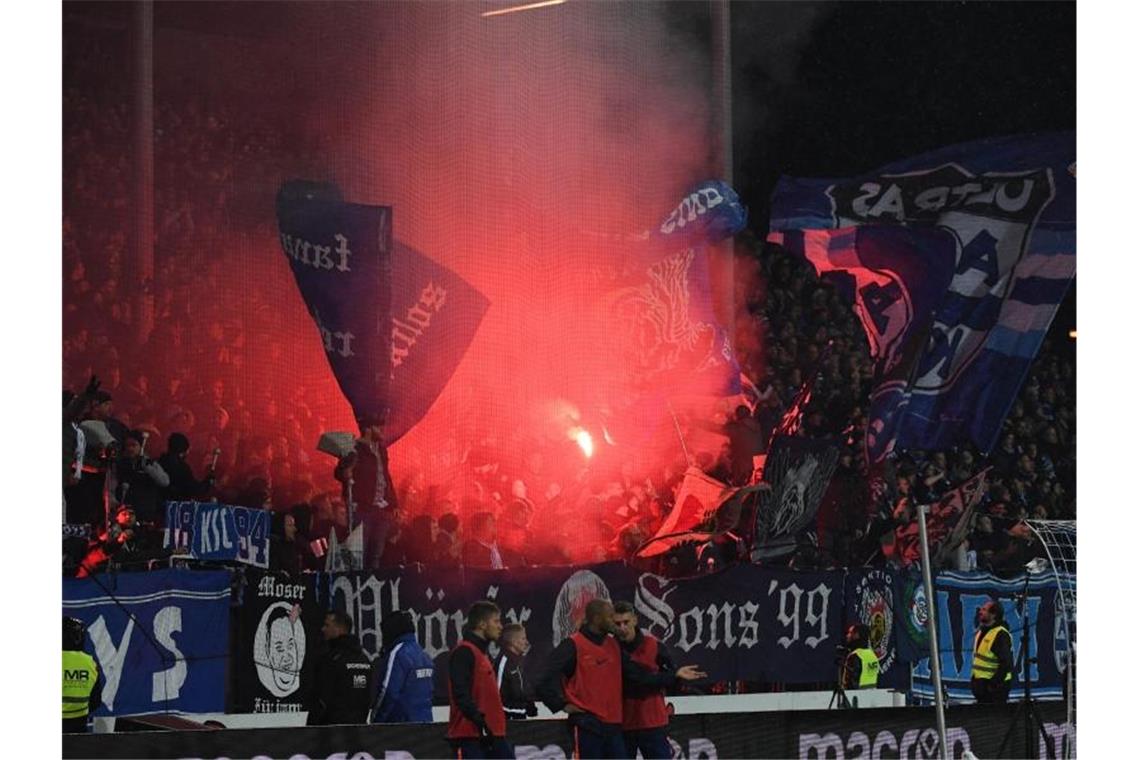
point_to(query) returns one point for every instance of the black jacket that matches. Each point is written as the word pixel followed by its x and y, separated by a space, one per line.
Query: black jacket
pixel 564 661
pixel 518 701
pixel 664 664
pixel 368 471
pixel 183 486
pixel 342 690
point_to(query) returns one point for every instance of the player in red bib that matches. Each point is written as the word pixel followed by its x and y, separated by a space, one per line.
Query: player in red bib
pixel 584 677
pixel 477 726
pixel 645 717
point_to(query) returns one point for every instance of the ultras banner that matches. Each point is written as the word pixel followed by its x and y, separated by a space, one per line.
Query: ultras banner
pixel 278 634
pixel 901 732
pixel 161 639
pixel 746 623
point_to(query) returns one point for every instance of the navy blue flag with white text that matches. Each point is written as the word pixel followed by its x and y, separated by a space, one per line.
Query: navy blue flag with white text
pixel 341 258
pixel 161 638
pixel 218 532
pixel 1009 205
pixel 395 324
pixel 435 315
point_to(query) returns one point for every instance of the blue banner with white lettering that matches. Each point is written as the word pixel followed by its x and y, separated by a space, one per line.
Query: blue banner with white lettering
pixel 1009 207
pixel 435 315
pixel 958 598
pixel 340 254
pixel 218 532
pixel 161 639
pixel 710 212
pixel 394 323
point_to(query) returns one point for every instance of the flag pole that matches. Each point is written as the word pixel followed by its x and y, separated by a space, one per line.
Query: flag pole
pixel 932 628
pixel 681 438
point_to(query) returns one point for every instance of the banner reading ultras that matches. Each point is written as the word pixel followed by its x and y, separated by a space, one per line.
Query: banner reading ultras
pixel 1007 208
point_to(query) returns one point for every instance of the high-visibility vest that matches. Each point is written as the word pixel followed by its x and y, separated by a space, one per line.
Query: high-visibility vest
pixel 79 674
pixel 869 673
pixel 985 661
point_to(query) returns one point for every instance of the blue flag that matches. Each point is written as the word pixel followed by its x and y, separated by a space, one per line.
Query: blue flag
pixel 666 329
pixel 435 315
pixel 895 278
pixel 1009 207
pixel 218 532
pixel 394 323
pixel 161 639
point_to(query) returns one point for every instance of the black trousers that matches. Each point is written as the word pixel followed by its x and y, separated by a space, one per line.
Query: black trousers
pixel 987 691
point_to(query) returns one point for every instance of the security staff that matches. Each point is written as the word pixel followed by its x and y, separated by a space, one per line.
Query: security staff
pixel 477 726
pixel 645 716
pixel 343 689
pixel 585 677
pixel 861 666
pixel 992 672
pixel 82 686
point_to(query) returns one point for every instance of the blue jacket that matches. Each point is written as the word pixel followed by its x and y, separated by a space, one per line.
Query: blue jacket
pixel 405 674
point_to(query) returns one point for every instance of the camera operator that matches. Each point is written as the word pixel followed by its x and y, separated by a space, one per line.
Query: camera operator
pixel 860 663
pixel 140 481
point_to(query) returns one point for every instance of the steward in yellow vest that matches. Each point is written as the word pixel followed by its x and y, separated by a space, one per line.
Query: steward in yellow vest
pixel 81 685
pixel 992 673
pixel 861 666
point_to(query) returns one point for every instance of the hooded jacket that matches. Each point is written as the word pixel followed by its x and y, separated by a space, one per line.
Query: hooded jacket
pixel 405 675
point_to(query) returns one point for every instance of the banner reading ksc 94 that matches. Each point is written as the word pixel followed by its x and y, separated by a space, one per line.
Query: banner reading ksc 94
pixel 218 531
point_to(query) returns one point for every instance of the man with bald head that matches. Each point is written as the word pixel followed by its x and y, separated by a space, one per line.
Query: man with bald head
pixel 584 677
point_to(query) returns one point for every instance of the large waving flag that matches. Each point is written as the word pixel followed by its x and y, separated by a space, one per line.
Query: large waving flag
pixel 394 323
pixel 666 332
pixel 1008 208
pixel 895 279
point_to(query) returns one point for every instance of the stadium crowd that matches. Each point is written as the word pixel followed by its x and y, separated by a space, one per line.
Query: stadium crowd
pixel 199 385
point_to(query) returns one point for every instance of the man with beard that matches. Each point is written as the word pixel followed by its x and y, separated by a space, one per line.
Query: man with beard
pixel 343 690
pixel 368 487
pixel 861 664
pixel 478 726
pixel 645 716
pixel 992 673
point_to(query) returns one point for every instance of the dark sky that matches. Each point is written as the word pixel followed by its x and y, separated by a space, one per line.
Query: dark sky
pixel 821 88
pixel 867 83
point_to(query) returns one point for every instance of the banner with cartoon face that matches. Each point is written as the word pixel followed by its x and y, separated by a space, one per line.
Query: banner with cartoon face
pixel 278 637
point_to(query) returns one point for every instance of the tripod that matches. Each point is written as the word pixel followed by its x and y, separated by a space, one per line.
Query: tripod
pixel 839 700
pixel 1027 711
